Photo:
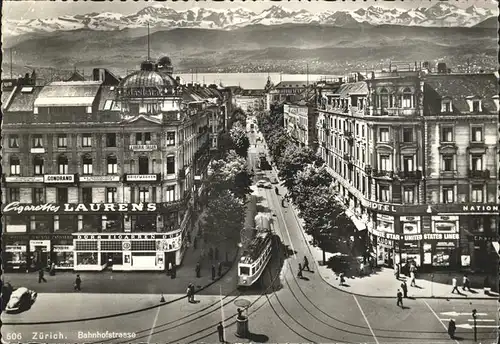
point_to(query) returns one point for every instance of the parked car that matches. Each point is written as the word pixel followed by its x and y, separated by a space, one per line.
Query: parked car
pixel 21 299
pixel 264 184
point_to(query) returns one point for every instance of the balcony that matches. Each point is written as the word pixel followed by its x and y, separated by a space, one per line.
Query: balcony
pixel 479 174
pixel 411 175
pixel 347 157
pixel 395 112
pixel 368 169
pixel 382 173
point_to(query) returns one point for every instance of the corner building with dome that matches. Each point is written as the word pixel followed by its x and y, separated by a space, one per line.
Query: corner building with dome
pixel 106 173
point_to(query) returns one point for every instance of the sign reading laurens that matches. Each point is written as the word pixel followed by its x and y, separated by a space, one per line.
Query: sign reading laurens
pixel 20 208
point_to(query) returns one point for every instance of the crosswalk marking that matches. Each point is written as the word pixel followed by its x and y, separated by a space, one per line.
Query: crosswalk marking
pixel 454 314
pixel 469 326
pixel 483 320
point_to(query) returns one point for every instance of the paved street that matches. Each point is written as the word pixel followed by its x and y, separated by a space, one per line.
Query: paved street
pixel 283 307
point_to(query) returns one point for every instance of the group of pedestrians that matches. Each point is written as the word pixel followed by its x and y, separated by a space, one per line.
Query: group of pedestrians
pixel 465 284
pixel 77 285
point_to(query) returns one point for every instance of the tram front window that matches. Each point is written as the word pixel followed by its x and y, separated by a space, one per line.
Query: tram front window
pixel 244 270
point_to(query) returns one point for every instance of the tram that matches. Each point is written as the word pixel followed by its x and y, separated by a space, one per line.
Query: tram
pixel 258 253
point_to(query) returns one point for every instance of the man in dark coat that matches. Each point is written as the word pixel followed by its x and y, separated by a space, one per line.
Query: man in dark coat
pixel 219 268
pixel 404 288
pixel 78 283
pixel 306 264
pixel 220 330
pixel 213 272
pixel 198 269
pixel 451 328
pixel 399 295
pixel 40 276
pixel 299 274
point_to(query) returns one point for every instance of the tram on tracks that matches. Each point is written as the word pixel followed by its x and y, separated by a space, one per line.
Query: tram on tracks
pixel 257 254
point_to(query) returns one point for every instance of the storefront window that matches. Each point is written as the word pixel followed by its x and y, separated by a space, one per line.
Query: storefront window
pixel 86 258
pixel 442 255
pixel 170 221
pixel 41 223
pixel 476 224
pixel 144 223
pixel 15 254
pixel 15 223
pixel 113 223
pixel 64 259
pixel 91 223
pixel 385 223
pixel 67 224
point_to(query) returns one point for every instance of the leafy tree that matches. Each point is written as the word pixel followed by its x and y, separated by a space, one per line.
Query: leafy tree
pixel 230 173
pixel 225 144
pixel 239 136
pixel 224 219
pixel 306 180
pixel 293 161
pixel 326 221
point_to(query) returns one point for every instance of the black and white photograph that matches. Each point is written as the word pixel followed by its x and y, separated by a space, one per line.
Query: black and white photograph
pixel 250 172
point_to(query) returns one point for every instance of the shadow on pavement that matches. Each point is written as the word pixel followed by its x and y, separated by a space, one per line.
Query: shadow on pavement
pixel 258 338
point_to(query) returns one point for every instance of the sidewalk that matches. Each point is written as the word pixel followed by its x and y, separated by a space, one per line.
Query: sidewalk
pixel 131 282
pixel 382 283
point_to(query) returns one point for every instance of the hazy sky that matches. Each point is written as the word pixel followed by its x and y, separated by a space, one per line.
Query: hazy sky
pixel 45 9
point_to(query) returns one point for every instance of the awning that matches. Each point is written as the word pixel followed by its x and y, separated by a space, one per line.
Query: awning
pixel 360 225
pixel 64 101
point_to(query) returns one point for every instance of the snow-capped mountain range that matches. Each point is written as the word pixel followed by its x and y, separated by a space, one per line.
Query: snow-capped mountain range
pixel 161 16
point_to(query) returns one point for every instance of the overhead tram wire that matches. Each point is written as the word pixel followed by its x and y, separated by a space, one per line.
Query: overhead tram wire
pixel 339 320
pixel 201 316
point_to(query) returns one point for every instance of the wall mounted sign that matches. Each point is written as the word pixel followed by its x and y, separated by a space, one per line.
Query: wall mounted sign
pixel 126 236
pixel 20 208
pixel 141 177
pixel 99 178
pixel 15 248
pixel 14 179
pixel 59 178
pixel 143 148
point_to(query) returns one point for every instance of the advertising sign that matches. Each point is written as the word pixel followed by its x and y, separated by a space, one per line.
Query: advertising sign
pixel 20 208
pixel 142 148
pixel 141 177
pixel 99 178
pixel 126 236
pixel 58 178
pixel 63 248
pixel 14 179
pixel 15 248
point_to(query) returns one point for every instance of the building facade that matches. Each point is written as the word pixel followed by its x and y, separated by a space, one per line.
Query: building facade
pixel 250 100
pixel 300 122
pixel 379 138
pixel 105 174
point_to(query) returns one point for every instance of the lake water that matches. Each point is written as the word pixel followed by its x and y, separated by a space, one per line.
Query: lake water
pixel 248 80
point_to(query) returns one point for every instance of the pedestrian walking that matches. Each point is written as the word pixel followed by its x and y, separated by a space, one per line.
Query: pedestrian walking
pixel 219 268
pixel 396 271
pixel 169 271
pixel 78 283
pixel 198 270
pixel 451 328
pixel 52 270
pixel 191 286
pixel 173 273
pixel 404 288
pixel 220 330
pixel 213 272
pixel 454 284
pixel 299 274
pixel 189 293
pixel 40 276
pixel 466 283
pixel 342 278
pixel 412 279
pixel 399 295
pixel 306 264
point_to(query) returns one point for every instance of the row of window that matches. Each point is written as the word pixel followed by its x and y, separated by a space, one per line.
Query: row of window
pixel 448 194
pixel 142 194
pixel 87 140
pixel 144 166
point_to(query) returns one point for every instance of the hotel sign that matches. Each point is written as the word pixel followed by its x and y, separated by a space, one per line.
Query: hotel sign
pixel 20 208
pixel 24 179
pixel 143 148
pixel 59 178
pixel 141 177
pixel 99 178
pixel 388 208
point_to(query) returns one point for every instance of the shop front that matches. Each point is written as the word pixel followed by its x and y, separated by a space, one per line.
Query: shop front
pixel 15 254
pixel 126 251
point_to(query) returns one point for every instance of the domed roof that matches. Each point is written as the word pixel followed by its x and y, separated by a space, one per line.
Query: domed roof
pixel 164 61
pixel 145 78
